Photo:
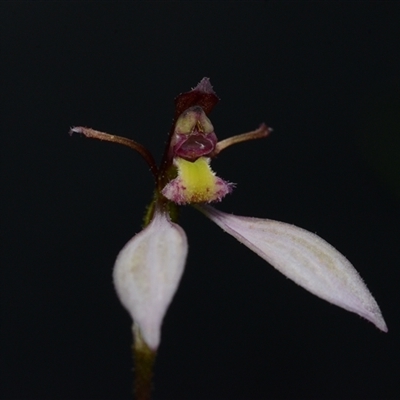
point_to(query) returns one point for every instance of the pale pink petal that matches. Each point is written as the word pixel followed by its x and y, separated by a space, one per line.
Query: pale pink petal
pixel 147 273
pixel 306 259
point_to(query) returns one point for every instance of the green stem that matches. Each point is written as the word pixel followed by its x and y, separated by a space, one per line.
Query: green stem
pixel 144 358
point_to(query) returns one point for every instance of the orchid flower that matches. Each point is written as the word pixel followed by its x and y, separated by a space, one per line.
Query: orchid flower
pixel 148 269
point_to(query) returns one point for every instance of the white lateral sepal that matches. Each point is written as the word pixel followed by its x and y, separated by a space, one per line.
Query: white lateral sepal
pixel 147 273
pixel 305 258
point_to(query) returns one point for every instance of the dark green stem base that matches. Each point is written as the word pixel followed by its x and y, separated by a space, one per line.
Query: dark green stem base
pixel 144 358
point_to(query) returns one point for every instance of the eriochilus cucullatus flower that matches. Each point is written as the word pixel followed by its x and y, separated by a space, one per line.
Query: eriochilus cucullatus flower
pixel 148 269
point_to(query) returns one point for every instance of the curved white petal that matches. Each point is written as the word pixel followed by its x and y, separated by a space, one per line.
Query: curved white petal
pixel 147 273
pixel 305 258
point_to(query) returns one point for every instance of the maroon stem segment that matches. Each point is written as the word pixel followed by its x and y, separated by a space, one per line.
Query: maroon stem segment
pixel 262 132
pixel 91 133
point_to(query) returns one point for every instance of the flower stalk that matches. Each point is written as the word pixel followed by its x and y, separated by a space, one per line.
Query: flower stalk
pixel 144 358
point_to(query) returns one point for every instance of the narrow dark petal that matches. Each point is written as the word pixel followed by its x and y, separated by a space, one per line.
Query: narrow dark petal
pixel 201 95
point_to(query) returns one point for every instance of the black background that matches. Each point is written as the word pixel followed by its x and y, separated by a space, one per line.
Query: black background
pixel 324 75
